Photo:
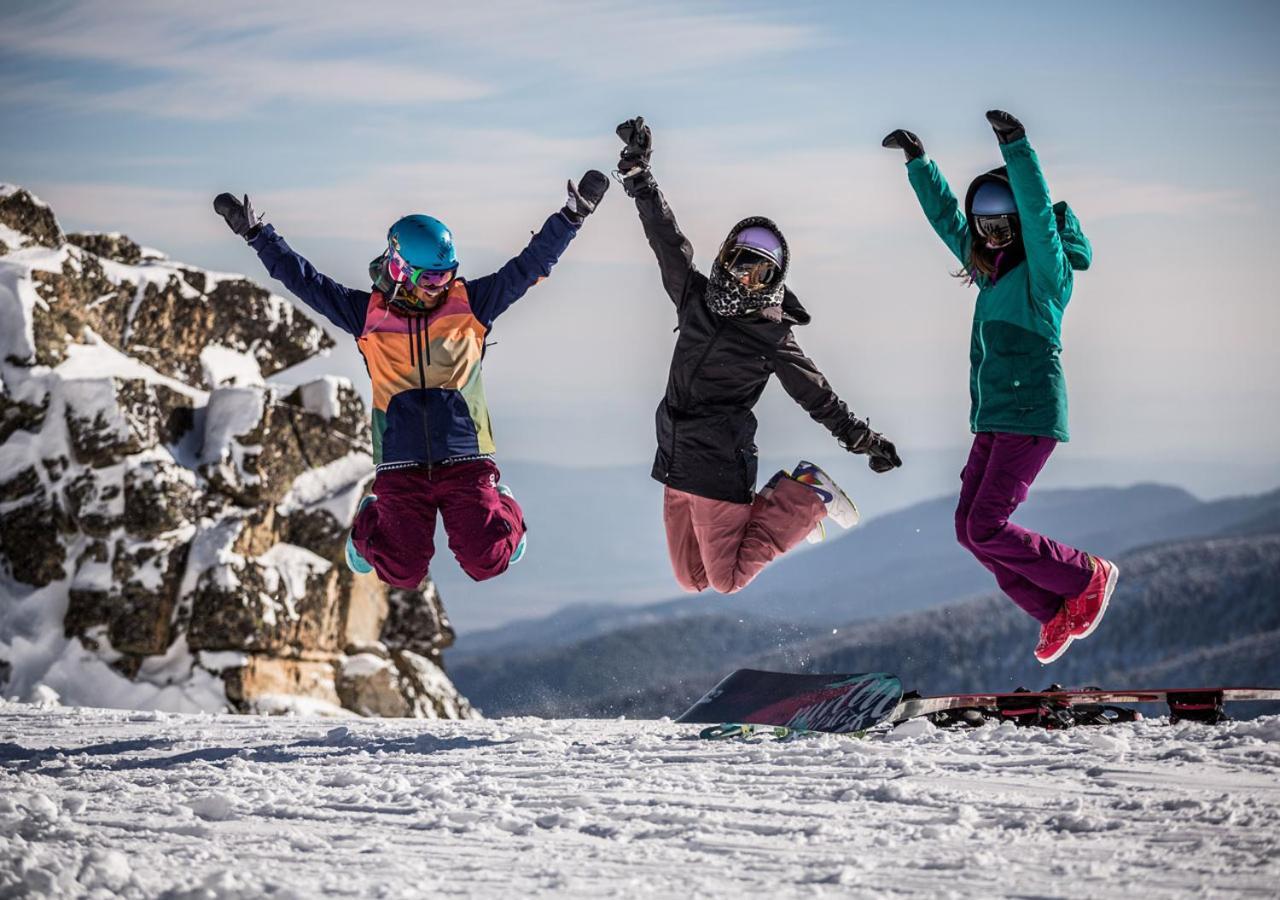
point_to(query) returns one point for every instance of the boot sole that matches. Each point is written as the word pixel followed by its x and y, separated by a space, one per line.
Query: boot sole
pixel 853 515
pixel 1106 601
pixel 1061 650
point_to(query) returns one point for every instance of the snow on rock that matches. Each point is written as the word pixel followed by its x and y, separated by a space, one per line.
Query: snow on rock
pixel 208 805
pixel 171 526
pixel 224 367
pixel 231 413
pixel 323 396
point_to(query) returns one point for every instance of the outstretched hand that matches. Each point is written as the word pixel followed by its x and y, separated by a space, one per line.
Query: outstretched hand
pixel 881 455
pixel 585 196
pixel 906 141
pixel 1007 128
pixel 639 146
pixel 238 214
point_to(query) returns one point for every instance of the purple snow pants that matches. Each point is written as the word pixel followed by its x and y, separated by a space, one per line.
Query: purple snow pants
pixel 1036 572
pixel 396 534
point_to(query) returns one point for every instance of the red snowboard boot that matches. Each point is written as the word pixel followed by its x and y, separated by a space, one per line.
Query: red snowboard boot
pixel 1055 637
pixel 1087 610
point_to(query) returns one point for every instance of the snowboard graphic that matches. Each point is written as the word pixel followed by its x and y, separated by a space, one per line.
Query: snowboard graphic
pixel 837 704
pixel 1052 706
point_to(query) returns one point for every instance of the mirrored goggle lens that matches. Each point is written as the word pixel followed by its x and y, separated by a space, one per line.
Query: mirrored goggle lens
pixel 994 227
pixel 426 279
pixel 750 269
pixel 401 271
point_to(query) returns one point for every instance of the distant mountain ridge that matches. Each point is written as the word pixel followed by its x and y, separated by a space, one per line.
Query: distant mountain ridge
pixel 910 556
pixel 596 537
pixel 1186 610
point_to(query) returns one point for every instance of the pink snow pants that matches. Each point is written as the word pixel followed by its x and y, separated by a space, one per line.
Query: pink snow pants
pixel 396 533
pixel 723 545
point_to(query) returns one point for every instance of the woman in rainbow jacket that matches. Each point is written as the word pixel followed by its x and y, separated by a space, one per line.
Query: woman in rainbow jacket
pixel 421 329
pixel 735 331
pixel 1021 250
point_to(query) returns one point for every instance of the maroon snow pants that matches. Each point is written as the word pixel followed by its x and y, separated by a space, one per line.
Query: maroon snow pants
pixel 396 533
pixel 1035 571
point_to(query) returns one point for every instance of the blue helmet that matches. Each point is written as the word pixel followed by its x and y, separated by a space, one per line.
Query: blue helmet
pixel 993 198
pixel 423 242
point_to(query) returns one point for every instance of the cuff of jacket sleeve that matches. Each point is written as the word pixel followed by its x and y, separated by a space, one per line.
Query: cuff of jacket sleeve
pixel 1020 147
pixel 641 183
pixel 266 234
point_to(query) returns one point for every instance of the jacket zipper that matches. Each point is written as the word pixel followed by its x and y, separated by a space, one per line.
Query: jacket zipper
pixel 982 347
pixel 715 335
pixel 417 342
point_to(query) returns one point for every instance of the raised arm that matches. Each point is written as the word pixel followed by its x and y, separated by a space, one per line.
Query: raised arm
pixel 491 295
pixel 801 379
pixel 341 305
pixel 670 246
pixel 936 198
pixel 1046 261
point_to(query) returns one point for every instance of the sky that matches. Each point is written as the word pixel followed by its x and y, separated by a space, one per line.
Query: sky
pixel 1158 122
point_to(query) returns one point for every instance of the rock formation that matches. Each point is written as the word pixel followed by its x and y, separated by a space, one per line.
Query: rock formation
pixel 175 518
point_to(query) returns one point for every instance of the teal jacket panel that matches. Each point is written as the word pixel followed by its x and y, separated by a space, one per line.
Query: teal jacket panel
pixel 1016 382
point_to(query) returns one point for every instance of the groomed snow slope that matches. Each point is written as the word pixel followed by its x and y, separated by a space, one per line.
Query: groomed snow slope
pixel 110 803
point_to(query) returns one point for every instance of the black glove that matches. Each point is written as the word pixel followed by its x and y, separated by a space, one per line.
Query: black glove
pixel 239 216
pixel 859 438
pixel 1007 128
pixel 585 196
pixel 905 141
pixel 639 140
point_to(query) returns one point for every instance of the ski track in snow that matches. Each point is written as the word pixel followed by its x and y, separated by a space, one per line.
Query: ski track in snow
pixel 144 804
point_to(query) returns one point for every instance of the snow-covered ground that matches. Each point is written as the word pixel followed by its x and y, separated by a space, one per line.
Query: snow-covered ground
pixel 116 803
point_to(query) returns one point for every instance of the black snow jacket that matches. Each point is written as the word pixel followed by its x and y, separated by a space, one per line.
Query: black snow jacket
pixel 706 430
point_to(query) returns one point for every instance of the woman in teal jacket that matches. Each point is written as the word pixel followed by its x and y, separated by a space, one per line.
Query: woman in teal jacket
pixel 1021 250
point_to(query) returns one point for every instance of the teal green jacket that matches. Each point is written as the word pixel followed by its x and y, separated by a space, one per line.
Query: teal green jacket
pixel 1016 383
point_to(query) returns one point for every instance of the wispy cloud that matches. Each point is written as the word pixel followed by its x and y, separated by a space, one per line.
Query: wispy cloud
pixel 221 60
pixel 1105 196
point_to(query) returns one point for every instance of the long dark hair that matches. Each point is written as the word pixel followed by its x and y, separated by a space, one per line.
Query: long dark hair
pixel 981 262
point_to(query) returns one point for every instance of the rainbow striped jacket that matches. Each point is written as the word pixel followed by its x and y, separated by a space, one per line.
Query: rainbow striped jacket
pixel 428 396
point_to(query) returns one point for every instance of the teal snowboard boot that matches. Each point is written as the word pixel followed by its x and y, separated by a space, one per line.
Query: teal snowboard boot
pixel 518 553
pixel 355 562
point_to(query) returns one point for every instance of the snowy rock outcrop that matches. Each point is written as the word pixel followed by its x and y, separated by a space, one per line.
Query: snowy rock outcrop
pixel 172 524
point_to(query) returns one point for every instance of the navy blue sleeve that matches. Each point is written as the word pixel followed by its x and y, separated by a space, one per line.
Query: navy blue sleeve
pixel 492 294
pixel 341 305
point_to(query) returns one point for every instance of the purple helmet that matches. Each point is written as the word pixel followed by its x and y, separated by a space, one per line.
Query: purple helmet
pixel 761 240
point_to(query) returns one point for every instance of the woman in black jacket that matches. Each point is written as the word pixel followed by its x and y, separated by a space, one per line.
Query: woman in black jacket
pixel 735 331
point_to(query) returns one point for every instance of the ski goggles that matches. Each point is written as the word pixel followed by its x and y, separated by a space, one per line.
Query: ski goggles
pixel 998 231
pixel 431 280
pixel 750 269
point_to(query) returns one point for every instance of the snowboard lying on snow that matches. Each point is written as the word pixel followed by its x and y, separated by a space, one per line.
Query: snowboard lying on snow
pixel 752 701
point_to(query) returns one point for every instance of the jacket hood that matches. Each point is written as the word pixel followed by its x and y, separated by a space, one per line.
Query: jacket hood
pixel 1074 243
pixel 726 297
pixel 761 222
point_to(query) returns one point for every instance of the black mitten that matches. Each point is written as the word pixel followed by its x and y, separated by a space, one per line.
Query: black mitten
pixel 239 215
pixel 585 196
pixel 639 146
pixel 906 141
pixel 879 450
pixel 1007 128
